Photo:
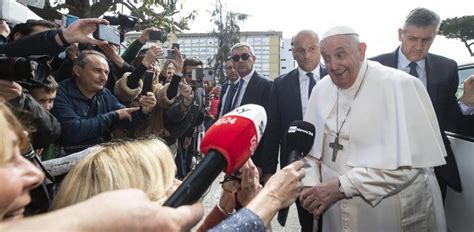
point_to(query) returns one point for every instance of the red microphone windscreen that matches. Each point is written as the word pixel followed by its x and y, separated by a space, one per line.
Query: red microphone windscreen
pixel 236 135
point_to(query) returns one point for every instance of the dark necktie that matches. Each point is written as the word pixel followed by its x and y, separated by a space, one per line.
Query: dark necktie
pixel 413 71
pixel 228 98
pixel 239 87
pixel 312 83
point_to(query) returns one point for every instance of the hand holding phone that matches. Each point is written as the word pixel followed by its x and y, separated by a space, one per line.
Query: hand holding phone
pixel 147 82
pixel 158 36
pixel 107 33
pixel 170 54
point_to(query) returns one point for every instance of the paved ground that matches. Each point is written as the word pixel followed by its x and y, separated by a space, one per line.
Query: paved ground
pixel 213 197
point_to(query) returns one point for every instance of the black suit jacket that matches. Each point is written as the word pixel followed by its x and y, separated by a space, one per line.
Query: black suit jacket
pixel 257 92
pixel 221 97
pixel 442 82
pixel 285 107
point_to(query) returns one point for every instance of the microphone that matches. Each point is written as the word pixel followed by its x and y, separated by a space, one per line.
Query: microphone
pixel 299 140
pixel 227 144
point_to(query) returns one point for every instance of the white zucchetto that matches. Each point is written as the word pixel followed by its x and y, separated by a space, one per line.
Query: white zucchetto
pixel 339 30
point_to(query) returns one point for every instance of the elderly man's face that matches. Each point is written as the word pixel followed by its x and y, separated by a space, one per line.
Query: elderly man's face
pixel 230 71
pixel 243 60
pixel 416 41
pixel 343 58
pixel 306 51
pixel 93 76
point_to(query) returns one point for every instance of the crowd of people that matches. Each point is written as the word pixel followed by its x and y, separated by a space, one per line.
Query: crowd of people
pixel 91 126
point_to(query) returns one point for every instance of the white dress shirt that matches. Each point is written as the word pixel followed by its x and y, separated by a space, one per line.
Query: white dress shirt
pixel 304 86
pixel 246 79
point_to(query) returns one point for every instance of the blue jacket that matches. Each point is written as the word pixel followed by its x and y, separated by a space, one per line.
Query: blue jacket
pixel 88 121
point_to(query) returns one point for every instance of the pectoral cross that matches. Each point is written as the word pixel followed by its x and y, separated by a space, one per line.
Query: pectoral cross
pixel 336 146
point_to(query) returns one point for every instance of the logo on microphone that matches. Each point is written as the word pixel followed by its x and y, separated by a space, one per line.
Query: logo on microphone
pixel 226 120
pixel 241 110
pixel 293 129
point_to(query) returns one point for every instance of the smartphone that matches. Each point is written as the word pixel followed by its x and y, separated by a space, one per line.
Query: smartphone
pixel 208 74
pixel 197 74
pixel 107 33
pixel 170 54
pixel 158 36
pixel 175 45
pixel 147 83
pixel 70 19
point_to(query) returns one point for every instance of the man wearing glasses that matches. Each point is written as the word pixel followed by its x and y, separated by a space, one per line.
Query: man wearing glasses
pixel 253 88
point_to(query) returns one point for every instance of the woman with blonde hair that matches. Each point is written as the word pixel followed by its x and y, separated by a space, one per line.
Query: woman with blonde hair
pixel 142 164
pixel 17 175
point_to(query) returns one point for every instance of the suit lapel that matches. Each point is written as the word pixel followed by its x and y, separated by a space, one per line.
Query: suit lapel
pixel 431 78
pixel 295 95
pixel 394 61
pixel 221 97
pixel 249 91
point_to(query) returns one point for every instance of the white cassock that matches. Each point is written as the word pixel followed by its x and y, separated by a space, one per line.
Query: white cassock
pixel 391 142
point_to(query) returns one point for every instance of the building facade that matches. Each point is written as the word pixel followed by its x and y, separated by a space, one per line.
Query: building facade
pixel 266 45
pixel 287 62
pixel 273 53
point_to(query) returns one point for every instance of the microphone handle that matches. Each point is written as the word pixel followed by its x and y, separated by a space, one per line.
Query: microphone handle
pixel 283 213
pixel 198 181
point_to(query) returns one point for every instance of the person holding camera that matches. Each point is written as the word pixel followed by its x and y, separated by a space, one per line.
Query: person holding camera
pixel 132 86
pixel 134 48
pixel 184 115
pixel 45 127
pixel 87 110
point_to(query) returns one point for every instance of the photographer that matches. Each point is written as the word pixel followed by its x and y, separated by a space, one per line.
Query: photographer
pixel 184 115
pixel 46 128
pixel 132 86
pixel 134 48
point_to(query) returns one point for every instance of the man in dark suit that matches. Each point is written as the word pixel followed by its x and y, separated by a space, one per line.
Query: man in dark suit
pixel 288 102
pixel 252 87
pixel 439 75
pixel 229 88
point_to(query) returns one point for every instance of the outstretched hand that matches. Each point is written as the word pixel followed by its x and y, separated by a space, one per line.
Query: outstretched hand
pixel 81 31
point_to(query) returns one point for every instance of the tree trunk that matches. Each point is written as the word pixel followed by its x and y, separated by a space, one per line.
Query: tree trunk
pixel 468 46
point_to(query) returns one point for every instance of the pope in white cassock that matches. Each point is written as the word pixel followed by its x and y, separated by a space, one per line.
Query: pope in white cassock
pixel 377 141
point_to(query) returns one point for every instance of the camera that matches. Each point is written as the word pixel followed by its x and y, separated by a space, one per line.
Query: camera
pixel 202 74
pixel 107 33
pixel 158 36
pixel 170 54
pixel 29 70
pixel 124 21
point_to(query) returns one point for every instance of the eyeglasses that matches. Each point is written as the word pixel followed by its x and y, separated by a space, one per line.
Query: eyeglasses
pixel 236 58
